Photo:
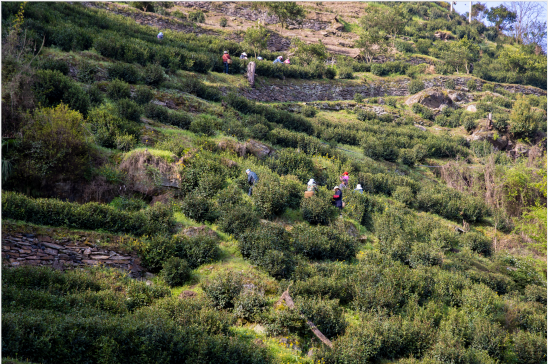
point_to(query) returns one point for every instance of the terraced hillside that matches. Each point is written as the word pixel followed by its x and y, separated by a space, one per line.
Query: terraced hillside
pixel 129 233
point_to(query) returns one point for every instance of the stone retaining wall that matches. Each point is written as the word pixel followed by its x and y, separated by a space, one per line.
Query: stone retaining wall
pixel 28 249
pixel 319 91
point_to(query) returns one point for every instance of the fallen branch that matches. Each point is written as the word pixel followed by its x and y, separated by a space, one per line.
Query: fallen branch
pixel 289 302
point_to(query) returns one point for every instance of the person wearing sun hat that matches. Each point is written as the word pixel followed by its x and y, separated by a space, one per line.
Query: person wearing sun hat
pixel 359 188
pixel 243 55
pixel 337 198
pixel 311 188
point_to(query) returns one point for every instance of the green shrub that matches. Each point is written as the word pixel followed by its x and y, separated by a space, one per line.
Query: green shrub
pixel 535 293
pixel 236 219
pixel 123 71
pixel 327 315
pixel 469 124
pixel 450 84
pixel 423 111
pixel 179 14
pixel 423 45
pixel 330 73
pixel 529 348
pixel 205 124
pixel 153 74
pixel 224 289
pixel 198 207
pixel 176 271
pixel 52 87
pixel 106 126
pixel 259 131
pixel 123 203
pixel 91 216
pixel 53 64
pixel 404 47
pixel 415 86
pixel 471 85
pixel 488 87
pixel 345 72
pixel 196 16
pixel 129 109
pixel 379 149
pixel 309 111
pixel 365 115
pixel 387 68
pixel 323 242
pixel 318 208
pixel 143 95
pixel 268 247
pixel 391 101
pixel 95 95
pixel 249 305
pixel 118 89
pixel 223 22
pixel 425 255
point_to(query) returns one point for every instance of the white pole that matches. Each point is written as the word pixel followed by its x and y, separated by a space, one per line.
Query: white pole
pixel 470 13
pixel 451 2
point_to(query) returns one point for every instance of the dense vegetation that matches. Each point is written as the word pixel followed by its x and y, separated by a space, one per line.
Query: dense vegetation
pixel 99 123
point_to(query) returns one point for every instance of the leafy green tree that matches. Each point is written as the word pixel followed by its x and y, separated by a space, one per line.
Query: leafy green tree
pixel 256 38
pixel 308 53
pixel 286 11
pixel 371 45
pixel 524 122
pixel 390 21
pixel 462 53
pixel 501 17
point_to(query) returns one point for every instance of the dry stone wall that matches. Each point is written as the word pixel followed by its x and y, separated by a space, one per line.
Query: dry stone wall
pixel 29 249
pixel 322 91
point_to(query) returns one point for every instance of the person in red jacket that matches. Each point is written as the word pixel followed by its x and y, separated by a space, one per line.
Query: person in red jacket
pixel 226 57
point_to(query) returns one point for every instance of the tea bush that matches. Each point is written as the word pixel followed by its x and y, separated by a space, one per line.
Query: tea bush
pixel 205 124
pixel 196 16
pixel 153 74
pixel 236 219
pixel 124 72
pixel 224 289
pixel 415 86
pixel 176 271
pixel 93 216
pixel 53 64
pixel 129 110
pixel 318 209
pixel 106 126
pixel 323 242
pixel 471 85
pixel 477 242
pixel 327 315
pixel 164 115
pixel 386 68
pixel 128 203
pixel 450 84
pixel 118 89
pixel 198 207
pixel 223 22
pixel 249 305
pixel 268 246
pixel 423 111
pixel 143 95
pixel 52 87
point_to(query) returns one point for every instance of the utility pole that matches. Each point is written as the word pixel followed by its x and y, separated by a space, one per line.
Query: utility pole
pixel 470 14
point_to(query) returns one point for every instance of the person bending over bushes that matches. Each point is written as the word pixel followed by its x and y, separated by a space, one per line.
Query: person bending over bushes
pixel 337 199
pixel 251 179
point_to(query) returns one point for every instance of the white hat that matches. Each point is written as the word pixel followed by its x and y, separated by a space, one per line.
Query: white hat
pixel 245 54
pixel 247 170
pixel 359 187
pixel 311 182
pixel 225 52
pixel 336 187
pixel 280 57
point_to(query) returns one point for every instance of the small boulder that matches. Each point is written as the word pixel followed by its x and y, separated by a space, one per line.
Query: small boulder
pixel 432 98
pixel 471 108
pixel 258 149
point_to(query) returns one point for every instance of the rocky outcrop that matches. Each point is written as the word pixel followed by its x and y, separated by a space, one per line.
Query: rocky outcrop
pixel 433 98
pixel 29 249
pixel 311 91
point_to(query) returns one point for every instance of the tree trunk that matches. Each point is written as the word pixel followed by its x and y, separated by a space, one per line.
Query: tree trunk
pixel 289 302
pixel 251 73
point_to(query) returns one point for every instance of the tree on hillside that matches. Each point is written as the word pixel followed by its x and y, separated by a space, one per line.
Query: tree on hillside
pixel 502 17
pixel 461 54
pixel 308 53
pixel 391 20
pixel 256 38
pixel 371 44
pixel 286 11
pixel 479 11
pixel 527 26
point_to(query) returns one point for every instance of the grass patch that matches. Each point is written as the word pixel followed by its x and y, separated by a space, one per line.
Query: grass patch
pixel 164 154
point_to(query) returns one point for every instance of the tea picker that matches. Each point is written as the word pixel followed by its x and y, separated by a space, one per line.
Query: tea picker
pixel 251 179
pixel 311 188
pixel 160 36
pixel 226 61
pixel 337 199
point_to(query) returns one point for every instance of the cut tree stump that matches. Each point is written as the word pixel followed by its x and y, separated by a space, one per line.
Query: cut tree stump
pixel 289 302
pixel 251 73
